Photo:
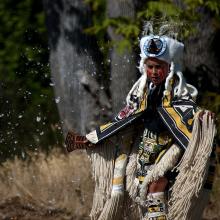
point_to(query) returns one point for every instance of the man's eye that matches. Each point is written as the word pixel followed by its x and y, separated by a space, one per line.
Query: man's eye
pixel 158 66
pixel 150 66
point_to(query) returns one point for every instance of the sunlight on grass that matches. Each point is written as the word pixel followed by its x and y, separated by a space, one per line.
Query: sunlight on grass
pixel 57 181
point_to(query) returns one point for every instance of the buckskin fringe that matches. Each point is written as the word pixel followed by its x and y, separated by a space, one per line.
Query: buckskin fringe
pixel 131 181
pixel 102 160
pixel 113 207
pixel 192 168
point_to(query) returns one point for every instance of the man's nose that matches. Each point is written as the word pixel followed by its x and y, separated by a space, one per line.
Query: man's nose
pixel 154 70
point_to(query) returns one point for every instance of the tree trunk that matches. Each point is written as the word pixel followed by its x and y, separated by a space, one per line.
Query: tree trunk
pixel 123 66
pixel 73 60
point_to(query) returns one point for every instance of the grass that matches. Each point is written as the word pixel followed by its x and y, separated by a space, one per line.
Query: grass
pixel 60 183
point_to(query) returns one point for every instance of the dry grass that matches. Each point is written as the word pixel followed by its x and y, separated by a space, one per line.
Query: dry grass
pixel 58 181
pixel 59 186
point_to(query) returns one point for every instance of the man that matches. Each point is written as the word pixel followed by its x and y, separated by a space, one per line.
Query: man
pixel 160 129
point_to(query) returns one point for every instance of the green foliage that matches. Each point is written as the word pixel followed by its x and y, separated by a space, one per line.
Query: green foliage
pixel 211 5
pixel 97 5
pixel 184 15
pixel 122 26
pixel 100 22
pixel 158 9
pixel 28 114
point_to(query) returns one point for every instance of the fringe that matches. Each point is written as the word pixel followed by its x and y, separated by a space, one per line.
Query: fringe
pixel 167 162
pixel 113 207
pixel 109 176
pixel 102 162
pixel 192 168
pixel 132 182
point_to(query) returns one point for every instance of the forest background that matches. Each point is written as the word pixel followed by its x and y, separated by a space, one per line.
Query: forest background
pixel 60 64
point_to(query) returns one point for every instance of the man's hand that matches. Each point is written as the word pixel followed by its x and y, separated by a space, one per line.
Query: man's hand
pixel 75 141
pixel 211 115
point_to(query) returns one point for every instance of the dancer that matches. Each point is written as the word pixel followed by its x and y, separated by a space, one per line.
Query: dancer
pixel 158 147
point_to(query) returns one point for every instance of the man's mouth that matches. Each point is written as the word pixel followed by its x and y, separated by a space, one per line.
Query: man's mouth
pixel 155 80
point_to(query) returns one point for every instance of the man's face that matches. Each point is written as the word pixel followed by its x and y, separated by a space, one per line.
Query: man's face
pixel 157 70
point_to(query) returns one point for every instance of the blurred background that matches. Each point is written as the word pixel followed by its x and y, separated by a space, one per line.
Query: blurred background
pixel 68 65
